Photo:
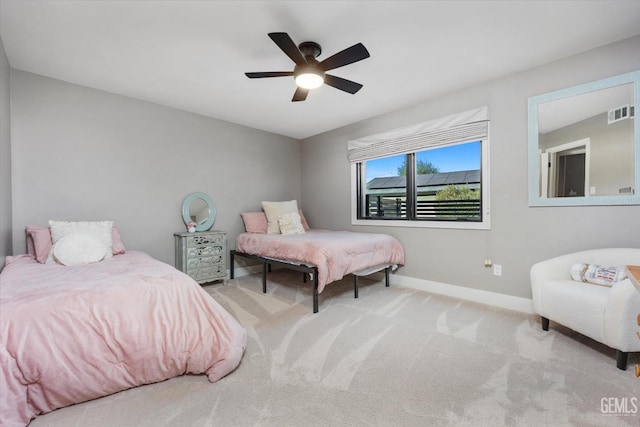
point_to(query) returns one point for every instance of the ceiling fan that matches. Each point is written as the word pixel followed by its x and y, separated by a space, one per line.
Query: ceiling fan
pixel 308 72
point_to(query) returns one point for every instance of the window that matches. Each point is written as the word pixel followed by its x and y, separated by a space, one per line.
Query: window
pixel 426 175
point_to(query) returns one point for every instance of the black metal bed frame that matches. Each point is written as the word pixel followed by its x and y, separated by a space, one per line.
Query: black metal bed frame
pixel 305 269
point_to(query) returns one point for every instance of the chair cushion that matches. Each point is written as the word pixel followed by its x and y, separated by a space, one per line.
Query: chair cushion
pixel 576 305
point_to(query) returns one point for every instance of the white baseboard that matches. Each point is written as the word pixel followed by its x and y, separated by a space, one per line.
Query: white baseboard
pixel 509 302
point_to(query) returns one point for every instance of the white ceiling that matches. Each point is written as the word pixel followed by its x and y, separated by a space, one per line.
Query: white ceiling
pixel 192 55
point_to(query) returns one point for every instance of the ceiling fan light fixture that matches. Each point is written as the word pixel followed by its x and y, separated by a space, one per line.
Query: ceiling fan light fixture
pixel 308 72
pixel 309 80
pixel 308 76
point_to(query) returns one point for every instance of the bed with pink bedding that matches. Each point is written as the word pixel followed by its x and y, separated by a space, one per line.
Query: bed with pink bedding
pixel 326 255
pixel 74 333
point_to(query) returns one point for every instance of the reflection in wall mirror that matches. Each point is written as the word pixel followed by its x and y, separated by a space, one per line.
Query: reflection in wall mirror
pixel 198 207
pixel 584 144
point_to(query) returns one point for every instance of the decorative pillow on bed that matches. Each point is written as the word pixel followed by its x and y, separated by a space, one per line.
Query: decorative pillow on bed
pixel 254 222
pixel 290 223
pixel 38 242
pixel 274 209
pixel 117 247
pixel 597 274
pixel 101 230
pixel 79 249
pixel 303 220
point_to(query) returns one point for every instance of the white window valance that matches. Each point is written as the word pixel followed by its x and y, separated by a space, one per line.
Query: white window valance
pixel 466 126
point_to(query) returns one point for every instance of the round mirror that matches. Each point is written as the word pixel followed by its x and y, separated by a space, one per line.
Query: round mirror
pixel 198 208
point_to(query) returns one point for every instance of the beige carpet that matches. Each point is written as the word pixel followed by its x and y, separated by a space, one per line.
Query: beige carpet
pixel 393 357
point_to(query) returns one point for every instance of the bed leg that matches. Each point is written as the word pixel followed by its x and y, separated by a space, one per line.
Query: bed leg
pixel 315 290
pixel 231 254
pixel 355 286
pixel 386 277
pixel 264 277
pixel 304 277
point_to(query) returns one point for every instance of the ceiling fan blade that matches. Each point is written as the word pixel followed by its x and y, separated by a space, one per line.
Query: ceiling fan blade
pixel 342 84
pixel 269 74
pixel 352 54
pixel 300 95
pixel 287 45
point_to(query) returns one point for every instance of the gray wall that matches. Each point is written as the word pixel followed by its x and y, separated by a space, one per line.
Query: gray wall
pixel 83 154
pixel 519 235
pixel 5 158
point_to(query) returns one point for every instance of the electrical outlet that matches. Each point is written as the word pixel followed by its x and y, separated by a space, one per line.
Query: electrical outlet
pixel 497 270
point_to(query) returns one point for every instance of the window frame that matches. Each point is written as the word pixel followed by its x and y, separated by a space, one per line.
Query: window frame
pixel 485 224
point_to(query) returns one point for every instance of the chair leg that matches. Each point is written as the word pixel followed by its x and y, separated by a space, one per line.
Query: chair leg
pixel 622 358
pixel 545 323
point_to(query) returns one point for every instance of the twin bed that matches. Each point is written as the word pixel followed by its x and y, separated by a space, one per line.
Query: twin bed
pixel 325 255
pixel 72 333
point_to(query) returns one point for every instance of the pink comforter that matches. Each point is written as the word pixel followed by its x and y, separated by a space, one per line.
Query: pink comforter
pixel 70 334
pixel 335 253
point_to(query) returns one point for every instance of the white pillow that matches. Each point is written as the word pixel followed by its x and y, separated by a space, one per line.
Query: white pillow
pixel 274 209
pixel 101 230
pixel 290 223
pixel 79 249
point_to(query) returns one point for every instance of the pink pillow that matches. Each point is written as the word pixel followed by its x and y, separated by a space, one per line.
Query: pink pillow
pixel 303 220
pixel 117 247
pixel 38 242
pixel 254 222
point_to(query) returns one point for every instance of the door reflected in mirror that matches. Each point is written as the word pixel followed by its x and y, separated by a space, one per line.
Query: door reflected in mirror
pixel 583 144
pixel 585 152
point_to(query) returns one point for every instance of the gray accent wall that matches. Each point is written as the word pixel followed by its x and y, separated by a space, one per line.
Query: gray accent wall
pixel 84 154
pixel 520 235
pixel 5 158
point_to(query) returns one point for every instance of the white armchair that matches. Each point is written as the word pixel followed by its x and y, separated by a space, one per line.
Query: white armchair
pixel 606 314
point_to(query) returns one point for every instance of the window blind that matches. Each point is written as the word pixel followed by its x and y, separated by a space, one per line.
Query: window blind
pixel 466 126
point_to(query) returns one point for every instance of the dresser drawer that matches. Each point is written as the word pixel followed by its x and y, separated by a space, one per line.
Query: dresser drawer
pixel 197 262
pixel 200 251
pixel 209 239
pixel 207 273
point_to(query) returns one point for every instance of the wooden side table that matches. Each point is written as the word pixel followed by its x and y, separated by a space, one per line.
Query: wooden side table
pixel 633 272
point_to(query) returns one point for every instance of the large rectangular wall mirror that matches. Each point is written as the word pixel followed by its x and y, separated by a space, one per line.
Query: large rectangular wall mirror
pixel 584 144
